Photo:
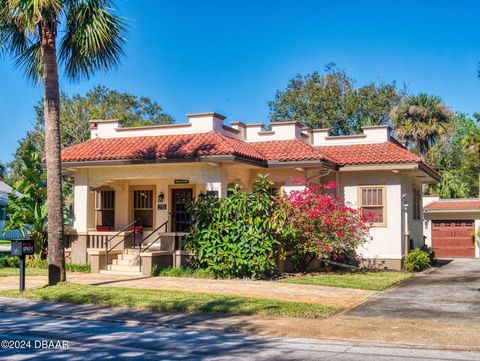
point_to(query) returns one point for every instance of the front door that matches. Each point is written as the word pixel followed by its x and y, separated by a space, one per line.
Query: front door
pixel 180 217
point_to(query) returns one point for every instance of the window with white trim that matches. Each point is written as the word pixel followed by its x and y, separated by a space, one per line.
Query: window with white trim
pixel 105 208
pixel 372 199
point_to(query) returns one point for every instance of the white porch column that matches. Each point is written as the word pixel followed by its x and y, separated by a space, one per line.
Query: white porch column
pixel 83 203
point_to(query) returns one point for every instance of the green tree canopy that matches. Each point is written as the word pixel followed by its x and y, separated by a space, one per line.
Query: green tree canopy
pixel 420 120
pixel 331 100
pixel 456 156
pixel 77 110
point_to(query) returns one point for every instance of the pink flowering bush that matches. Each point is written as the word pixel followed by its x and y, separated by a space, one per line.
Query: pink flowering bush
pixel 320 225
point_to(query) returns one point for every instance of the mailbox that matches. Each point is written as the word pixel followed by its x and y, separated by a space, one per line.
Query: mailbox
pixel 22 247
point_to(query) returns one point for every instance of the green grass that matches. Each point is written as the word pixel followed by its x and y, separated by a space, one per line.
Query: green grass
pixel 374 281
pixel 5 242
pixel 11 271
pixel 180 301
pixel 181 272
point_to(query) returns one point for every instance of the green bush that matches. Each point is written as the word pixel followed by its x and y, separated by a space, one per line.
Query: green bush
pixel 431 253
pixel 155 271
pixel 235 236
pixel 74 267
pixel 417 260
pixel 9 261
pixel 186 272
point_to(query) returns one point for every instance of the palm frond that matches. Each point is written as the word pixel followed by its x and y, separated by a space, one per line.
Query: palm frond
pixel 31 61
pixel 93 39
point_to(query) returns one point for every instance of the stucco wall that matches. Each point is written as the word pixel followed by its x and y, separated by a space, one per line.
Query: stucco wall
pixel 415 226
pixel 387 241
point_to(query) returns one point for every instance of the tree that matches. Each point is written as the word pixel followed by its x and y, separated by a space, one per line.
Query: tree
pixel 3 171
pixel 332 101
pixel 91 39
pixel 27 206
pixel 456 157
pixel 77 110
pixel 420 120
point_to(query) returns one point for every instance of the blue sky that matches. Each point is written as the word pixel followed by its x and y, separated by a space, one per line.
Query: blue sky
pixel 232 56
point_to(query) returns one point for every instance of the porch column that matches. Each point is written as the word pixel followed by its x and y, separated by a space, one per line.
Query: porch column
pixel 83 203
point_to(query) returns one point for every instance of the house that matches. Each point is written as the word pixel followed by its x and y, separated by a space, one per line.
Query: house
pixel 451 226
pixel 148 174
pixel 5 189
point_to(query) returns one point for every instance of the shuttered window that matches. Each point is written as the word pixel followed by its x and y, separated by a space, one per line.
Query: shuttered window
pixel 105 208
pixel 372 199
pixel 417 203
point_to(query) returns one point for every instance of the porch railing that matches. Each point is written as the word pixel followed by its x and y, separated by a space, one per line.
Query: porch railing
pixel 159 237
pixel 108 241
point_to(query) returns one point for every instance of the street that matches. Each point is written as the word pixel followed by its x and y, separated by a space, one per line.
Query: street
pixel 96 339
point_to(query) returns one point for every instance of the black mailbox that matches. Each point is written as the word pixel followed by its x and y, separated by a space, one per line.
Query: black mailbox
pixel 22 247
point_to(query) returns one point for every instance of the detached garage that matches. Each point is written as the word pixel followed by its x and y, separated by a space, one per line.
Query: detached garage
pixel 451 225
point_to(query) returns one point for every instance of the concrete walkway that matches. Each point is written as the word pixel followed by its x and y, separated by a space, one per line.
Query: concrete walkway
pixel 450 293
pixel 344 298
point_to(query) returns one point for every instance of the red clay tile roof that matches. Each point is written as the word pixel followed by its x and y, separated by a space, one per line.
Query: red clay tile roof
pixel 455 204
pixel 165 146
pixel 289 150
pixel 213 143
pixel 379 153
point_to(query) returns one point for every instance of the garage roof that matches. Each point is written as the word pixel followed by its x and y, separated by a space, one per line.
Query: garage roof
pixel 466 204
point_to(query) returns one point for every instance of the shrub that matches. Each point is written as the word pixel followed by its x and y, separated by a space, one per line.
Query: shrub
pixel 431 253
pixel 417 260
pixel 10 261
pixel 74 267
pixel 320 225
pixel 235 236
pixel 155 271
pixel 186 272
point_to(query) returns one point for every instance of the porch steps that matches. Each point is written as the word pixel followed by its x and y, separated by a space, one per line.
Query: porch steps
pixel 127 264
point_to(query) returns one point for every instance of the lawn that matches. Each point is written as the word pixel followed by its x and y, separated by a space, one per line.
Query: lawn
pixel 11 271
pixel 162 300
pixel 374 281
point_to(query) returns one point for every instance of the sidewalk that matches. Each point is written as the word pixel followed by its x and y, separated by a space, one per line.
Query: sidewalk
pixel 344 298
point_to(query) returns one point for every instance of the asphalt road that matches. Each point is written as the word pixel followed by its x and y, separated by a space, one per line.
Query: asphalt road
pixel 94 340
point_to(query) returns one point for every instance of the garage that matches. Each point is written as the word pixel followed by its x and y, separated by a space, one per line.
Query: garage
pixel 451 226
pixel 453 238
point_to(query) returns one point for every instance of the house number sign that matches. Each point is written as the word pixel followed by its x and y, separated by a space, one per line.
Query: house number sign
pixel 181 181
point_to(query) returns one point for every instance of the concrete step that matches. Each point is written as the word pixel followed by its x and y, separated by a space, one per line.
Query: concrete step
pixel 122 273
pixel 128 268
pixel 126 262
pixel 131 251
pixel 128 256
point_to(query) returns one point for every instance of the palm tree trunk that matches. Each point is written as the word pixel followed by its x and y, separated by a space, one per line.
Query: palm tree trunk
pixel 56 253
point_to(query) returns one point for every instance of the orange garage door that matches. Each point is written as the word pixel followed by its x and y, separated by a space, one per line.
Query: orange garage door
pixel 453 238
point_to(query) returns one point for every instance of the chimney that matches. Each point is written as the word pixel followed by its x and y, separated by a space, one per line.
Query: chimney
pixel 206 122
pixel 103 128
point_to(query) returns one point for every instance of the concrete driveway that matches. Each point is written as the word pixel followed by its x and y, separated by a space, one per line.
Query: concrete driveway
pixel 448 293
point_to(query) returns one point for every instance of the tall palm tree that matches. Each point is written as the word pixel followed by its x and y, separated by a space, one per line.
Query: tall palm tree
pixel 420 120
pixel 89 37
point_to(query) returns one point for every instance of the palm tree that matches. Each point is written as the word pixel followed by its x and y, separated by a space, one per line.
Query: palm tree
pixel 420 120
pixel 91 39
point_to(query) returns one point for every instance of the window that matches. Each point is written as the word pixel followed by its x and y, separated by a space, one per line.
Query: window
pixel 372 199
pixel 276 188
pixel 105 208
pixel 143 207
pixel 417 203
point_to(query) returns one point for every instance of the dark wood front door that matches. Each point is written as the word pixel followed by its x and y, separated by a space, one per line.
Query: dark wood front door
pixel 453 238
pixel 180 217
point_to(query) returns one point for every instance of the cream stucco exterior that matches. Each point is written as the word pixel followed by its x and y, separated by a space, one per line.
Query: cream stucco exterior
pixel 389 243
